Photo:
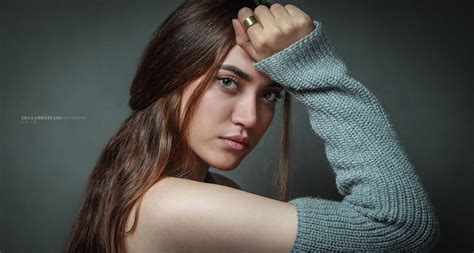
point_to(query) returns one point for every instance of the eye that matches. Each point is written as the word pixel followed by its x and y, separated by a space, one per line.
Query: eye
pixel 228 82
pixel 273 96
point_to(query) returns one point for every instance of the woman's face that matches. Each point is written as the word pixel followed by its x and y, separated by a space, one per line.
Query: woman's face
pixel 240 101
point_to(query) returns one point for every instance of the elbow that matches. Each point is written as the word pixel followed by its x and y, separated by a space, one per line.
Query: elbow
pixel 418 233
pixel 426 232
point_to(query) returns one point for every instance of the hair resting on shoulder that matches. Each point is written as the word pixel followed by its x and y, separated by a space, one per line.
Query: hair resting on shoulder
pixel 193 41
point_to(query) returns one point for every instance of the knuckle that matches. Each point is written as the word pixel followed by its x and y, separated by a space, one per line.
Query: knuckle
pixel 276 6
pixel 259 44
pixel 286 28
pixel 299 21
pixel 244 11
pixel 260 8
pixel 305 21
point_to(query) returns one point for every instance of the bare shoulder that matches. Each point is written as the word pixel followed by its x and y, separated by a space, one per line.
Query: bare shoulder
pixel 179 215
pixel 223 180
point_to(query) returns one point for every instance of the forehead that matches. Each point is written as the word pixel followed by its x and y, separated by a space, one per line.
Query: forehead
pixel 238 57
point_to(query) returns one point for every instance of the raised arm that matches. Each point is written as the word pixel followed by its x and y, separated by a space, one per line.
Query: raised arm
pixel 385 207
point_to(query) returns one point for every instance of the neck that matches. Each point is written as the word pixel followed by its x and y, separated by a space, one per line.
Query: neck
pixel 199 171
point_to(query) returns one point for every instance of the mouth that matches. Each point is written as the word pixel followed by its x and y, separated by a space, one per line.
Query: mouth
pixel 233 144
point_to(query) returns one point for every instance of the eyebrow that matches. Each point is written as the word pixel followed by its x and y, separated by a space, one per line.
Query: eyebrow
pixel 244 75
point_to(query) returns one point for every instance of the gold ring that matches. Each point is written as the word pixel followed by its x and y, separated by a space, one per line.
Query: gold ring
pixel 248 22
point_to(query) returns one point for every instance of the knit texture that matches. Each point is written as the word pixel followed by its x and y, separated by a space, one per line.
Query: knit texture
pixel 385 207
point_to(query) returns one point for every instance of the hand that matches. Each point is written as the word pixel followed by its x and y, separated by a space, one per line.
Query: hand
pixel 276 29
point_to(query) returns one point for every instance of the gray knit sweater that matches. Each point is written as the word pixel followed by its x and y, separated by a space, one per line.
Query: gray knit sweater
pixel 385 207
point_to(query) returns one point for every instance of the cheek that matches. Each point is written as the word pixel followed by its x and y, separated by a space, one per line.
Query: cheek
pixel 212 111
pixel 209 122
pixel 216 106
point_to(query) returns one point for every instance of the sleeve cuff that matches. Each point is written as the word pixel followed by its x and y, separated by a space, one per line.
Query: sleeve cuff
pixel 311 53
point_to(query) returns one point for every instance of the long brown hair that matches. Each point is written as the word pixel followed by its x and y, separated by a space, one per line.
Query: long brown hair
pixel 191 43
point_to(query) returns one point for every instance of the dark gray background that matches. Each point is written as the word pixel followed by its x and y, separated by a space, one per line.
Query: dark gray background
pixel 78 59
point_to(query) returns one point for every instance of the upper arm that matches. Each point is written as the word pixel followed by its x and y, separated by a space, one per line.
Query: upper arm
pixel 212 218
pixel 223 180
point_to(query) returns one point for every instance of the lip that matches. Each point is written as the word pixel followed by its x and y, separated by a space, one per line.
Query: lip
pixel 238 138
pixel 237 142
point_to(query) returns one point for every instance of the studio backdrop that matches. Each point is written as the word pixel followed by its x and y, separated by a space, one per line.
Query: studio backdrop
pixel 67 67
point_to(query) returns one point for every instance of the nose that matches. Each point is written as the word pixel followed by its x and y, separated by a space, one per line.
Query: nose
pixel 245 113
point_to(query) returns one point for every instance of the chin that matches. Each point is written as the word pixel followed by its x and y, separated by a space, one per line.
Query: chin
pixel 225 165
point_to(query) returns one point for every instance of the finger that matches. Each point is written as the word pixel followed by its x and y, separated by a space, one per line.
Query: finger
pixel 264 16
pixel 245 13
pixel 242 39
pixel 279 12
pixel 294 11
pixel 241 36
pixel 254 32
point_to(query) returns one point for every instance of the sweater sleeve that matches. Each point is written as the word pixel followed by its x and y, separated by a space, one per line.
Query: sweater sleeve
pixel 385 207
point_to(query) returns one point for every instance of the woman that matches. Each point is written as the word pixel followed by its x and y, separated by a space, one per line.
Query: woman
pixel 203 95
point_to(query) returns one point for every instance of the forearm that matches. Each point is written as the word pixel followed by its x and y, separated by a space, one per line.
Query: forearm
pixel 385 206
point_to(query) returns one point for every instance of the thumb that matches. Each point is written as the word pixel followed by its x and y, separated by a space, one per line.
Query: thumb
pixel 242 39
